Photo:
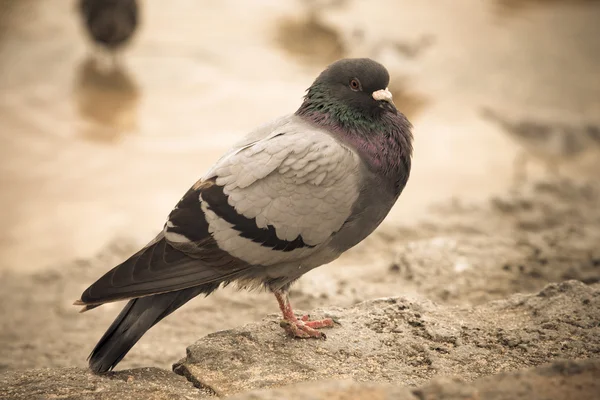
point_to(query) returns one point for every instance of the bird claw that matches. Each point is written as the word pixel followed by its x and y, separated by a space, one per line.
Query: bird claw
pixel 305 329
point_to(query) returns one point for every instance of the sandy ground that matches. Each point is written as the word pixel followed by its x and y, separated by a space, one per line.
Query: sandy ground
pixel 458 313
pixel 471 255
pixel 503 198
pixel 88 155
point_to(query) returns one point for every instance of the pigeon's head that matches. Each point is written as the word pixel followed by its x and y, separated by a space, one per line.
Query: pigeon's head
pixel 352 87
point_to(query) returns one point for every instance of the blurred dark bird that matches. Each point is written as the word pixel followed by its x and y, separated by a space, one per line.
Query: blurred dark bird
pixel 293 195
pixel 110 23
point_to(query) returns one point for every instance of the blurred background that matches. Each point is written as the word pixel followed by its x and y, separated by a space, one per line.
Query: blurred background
pixel 96 148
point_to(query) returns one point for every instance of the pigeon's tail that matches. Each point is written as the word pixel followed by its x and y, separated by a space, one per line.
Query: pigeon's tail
pixel 137 317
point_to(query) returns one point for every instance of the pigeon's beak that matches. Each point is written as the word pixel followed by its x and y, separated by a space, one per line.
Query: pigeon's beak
pixel 384 95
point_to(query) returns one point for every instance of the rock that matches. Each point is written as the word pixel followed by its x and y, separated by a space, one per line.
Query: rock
pixel 404 341
pixel 81 384
pixel 330 390
pixel 472 253
pixel 562 380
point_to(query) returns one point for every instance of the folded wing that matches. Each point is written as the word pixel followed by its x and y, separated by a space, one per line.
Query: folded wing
pixel 276 199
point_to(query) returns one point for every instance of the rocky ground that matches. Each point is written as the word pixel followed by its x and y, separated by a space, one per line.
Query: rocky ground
pixel 480 297
pixel 399 340
pixel 452 301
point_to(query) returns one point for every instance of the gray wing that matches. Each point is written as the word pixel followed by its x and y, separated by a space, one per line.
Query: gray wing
pixel 277 198
pixel 298 183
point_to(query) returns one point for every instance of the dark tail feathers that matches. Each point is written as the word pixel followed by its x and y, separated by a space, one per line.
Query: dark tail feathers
pixel 137 317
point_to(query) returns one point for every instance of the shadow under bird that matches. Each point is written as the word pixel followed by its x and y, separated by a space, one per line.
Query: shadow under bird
pixel 293 195
pixel 110 23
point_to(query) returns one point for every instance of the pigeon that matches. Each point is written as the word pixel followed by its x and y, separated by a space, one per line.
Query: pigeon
pixel 293 195
pixel 110 23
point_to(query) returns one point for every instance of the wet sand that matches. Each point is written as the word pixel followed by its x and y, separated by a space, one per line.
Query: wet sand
pixel 84 160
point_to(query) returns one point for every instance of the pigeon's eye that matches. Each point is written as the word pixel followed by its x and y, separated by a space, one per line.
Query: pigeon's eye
pixel 354 84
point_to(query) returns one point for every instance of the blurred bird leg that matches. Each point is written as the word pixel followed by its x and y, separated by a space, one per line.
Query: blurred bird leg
pixel 520 169
pixel 116 59
pixel 299 328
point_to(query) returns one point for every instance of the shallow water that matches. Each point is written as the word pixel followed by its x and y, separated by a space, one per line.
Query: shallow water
pixel 89 155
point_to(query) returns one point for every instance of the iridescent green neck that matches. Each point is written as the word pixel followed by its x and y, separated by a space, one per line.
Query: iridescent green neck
pixel 319 102
pixel 384 140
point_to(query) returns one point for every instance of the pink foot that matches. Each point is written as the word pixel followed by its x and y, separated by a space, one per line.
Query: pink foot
pixel 300 328
pixel 304 329
pixel 320 323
